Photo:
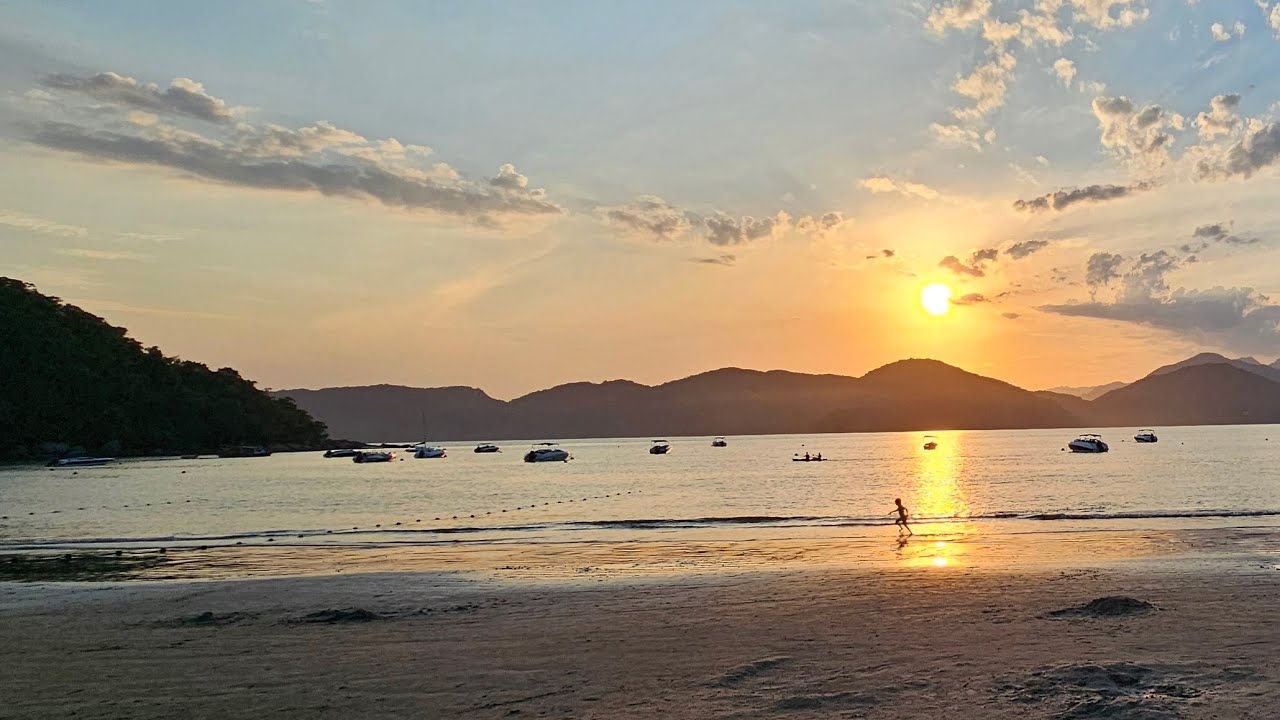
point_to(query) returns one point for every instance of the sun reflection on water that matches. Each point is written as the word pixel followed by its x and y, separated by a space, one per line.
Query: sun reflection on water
pixel 939 499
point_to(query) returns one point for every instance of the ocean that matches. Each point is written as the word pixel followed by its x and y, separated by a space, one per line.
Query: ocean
pixel 982 496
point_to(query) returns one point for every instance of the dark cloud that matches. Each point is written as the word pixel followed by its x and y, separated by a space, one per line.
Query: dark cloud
pixel 1221 233
pixel 184 96
pixel 723 229
pixel 954 264
pixel 650 215
pixel 1063 199
pixel 1237 318
pixel 1258 149
pixel 1216 231
pixel 888 253
pixel 1019 250
pixel 976 266
pixel 970 299
pixel 725 259
pixel 245 163
pixel 1102 268
pixel 1010 315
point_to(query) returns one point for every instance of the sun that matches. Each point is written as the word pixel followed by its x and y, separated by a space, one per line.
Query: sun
pixel 936 299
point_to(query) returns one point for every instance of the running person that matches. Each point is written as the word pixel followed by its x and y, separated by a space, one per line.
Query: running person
pixel 902 511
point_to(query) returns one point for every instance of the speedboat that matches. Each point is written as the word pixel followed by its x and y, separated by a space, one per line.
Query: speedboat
pixel 547 452
pixel 1146 436
pixel 660 447
pixel 719 442
pixel 806 457
pixel 930 442
pixel 487 448
pixel 80 461
pixel 1088 443
pixel 340 452
pixel 373 456
pixel 423 452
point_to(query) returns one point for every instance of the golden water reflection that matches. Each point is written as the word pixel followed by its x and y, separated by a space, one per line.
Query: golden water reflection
pixel 942 505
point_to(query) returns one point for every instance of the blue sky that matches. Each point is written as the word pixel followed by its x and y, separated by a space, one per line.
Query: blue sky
pixel 512 196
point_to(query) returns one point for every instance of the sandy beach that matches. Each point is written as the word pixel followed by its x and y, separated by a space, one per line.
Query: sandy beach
pixel 896 643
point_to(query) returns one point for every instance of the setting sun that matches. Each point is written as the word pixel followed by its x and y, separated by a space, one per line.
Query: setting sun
pixel 936 299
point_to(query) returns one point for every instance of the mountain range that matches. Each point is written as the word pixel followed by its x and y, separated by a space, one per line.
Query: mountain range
pixel 906 395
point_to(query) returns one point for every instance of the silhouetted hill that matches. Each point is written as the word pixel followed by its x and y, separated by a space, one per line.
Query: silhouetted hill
pixel 1084 411
pixel 1199 394
pixel 1087 392
pixel 908 395
pixel 70 382
pixel 1247 364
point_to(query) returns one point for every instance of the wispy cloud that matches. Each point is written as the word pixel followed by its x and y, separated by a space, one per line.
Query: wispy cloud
pixel 44 226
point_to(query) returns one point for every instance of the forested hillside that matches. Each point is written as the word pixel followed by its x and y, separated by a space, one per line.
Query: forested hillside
pixel 70 382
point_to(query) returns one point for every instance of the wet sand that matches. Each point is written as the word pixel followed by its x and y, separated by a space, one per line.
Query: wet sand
pixel 907 642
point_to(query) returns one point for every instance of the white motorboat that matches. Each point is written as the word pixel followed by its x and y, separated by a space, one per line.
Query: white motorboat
pixel 1088 443
pixel 340 452
pixel 547 452
pixel 487 448
pixel 80 461
pixel 1146 436
pixel 423 452
pixel 719 442
pixel 660 447
pixel 930 442
pixel 373 456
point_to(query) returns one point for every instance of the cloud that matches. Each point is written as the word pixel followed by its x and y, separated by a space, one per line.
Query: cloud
pixel 958 14
pixel 970 299
pixel 1010 315
pixel 1273 19
pixel 1258 149
pixel 1019 250
pixel 1238 318
pixel 507 178
pixel 726 259
pixel 99 254
pixel 1223 116
pixel 985 86
pixel 1065 70
pixel 974 267
pixel 956 135
pixel 1063 199
pixel 654 218
pixel 888 253
pixel 1109 14
pixel 1221 34
pixel 1102 268
pixel 881 184
pixel 31 223
pixel 308 160
pixel 1218 233
pixel 1135 134
pixel 184 96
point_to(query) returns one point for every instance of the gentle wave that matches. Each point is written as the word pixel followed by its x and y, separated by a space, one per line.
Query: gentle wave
pixel 384 534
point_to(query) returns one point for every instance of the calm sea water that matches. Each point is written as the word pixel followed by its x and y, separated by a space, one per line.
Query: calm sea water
pixel 614 490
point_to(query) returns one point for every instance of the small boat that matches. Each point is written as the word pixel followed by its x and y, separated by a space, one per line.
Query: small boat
pixel 1146 436
pixel 423 452
pixel 340 452
pixel 80 461
pixel 930 442
pixel 660 447
pixel 1088 443
pixel 373 456
pixel 547 452
pixel 245 451
pixel 487 448
pixel 719 442
pixel 806 457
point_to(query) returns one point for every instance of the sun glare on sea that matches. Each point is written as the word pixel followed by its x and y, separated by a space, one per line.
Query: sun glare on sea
pixel 936 299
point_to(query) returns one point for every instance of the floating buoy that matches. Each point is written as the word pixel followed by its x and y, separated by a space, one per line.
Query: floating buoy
pixel 397 523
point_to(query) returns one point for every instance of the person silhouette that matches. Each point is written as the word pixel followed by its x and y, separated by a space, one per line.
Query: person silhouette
pixel 902 511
